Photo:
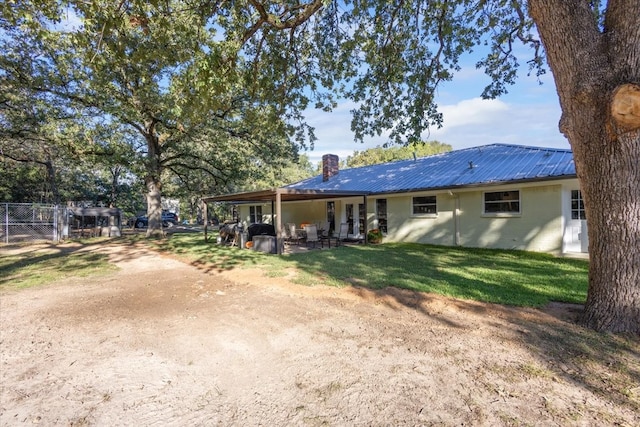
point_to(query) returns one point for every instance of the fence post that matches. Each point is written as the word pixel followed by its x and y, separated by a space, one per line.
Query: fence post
pixel 55 223
pixel 6 223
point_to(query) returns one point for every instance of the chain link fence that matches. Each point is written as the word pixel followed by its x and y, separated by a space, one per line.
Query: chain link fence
pixel 27 222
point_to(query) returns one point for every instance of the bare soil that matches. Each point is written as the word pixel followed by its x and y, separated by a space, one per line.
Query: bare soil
pixel 162 342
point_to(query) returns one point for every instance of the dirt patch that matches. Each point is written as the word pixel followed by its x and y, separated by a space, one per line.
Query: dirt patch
pixel 163 342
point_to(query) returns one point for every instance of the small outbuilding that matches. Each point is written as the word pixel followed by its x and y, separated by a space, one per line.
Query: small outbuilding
pixel 94 222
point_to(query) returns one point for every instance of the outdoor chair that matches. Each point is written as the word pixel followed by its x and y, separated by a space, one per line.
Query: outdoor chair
pixel 312 234
pixel 343 234
pixel 324 235
pixel 286 234
pixel 292 233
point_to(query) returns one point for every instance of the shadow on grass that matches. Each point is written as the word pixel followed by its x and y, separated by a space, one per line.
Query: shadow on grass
pixel 503 277
pixel 44 263
pixel 209 256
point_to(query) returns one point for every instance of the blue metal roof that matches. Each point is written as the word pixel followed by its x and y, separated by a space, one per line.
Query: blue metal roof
pixel 484 165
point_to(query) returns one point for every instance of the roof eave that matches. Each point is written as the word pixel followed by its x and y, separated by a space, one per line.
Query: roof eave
pixel 287 194
pixel 479 185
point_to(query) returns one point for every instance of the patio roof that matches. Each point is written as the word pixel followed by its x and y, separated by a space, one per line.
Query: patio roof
pixel 278 195
pixel 286 195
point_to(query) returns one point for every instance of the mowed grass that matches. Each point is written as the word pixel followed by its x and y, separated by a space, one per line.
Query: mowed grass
pixel 35 268
pixel 499 276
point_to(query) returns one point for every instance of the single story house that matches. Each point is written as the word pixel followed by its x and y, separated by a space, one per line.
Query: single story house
pixel 491 196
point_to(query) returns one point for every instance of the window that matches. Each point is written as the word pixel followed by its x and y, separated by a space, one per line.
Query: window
pixel 349 211
pixel 502 202
pixel 425 205
pixel 381 213
pixel 577 205
pixel 255 214
pixel 351 220
pixel 331 215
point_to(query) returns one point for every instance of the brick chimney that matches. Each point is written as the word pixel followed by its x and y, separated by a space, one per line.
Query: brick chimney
pixel 330 166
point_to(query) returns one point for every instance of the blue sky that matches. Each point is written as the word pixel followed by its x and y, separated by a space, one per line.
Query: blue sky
pixel 527 115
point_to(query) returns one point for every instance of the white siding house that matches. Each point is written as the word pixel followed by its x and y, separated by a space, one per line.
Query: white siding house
pixel 493 196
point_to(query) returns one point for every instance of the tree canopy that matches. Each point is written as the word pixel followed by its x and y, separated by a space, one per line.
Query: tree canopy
pixel 379 154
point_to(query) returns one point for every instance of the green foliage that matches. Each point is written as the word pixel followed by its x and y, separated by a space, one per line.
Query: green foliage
pixel 22 182
pixel 280 173
pixel 163 90
pixel 395 55
pixel 378 155
pixel 374 236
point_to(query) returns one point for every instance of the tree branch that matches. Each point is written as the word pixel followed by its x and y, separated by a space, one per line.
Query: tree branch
pixel 300 15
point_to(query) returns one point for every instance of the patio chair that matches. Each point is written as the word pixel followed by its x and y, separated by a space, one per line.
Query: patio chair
pixel 312 234
pixel 324 235
pixel 343 234
pixel 292 233
pixel 286 234
pixel 324 226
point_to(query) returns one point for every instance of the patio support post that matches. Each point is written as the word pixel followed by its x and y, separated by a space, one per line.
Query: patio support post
pixel 366 220
pixel 456 221
pixel 278 223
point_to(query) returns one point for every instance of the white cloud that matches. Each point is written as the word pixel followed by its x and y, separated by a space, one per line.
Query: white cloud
pixel 476 121
pixel 472 111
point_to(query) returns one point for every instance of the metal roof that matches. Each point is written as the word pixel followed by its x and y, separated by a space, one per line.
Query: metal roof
pixel 484 165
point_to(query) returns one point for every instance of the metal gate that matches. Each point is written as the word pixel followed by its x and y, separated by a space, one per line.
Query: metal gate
pixel 27 222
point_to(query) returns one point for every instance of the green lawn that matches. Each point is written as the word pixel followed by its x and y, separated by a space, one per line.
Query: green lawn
pixel 500 276
pixel 34 268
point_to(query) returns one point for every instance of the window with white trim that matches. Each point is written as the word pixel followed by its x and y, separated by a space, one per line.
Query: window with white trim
pixel 381 214
pixel 577 205
pixel 496 202
pixel 255 214
pixel 425 205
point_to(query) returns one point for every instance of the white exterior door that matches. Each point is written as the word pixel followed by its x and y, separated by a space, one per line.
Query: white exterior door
pixel 576 237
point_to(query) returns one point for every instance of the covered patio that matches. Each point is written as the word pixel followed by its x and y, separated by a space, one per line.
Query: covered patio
pixel 278 196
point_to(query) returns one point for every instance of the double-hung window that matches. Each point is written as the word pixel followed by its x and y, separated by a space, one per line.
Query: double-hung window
pixel 381 213
pixel 255 214
pixel 425 205
pixel 502 202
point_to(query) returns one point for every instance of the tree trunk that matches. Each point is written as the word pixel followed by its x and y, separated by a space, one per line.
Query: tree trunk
pixel 589 66
pixel 154 187
pixel 51 176
pixel 115 177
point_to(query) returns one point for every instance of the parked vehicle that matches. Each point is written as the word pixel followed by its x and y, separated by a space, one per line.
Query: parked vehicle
pixel 169 219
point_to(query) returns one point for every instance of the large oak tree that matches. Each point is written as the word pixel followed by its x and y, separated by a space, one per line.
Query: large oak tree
pixel 596 67
pixel 174 72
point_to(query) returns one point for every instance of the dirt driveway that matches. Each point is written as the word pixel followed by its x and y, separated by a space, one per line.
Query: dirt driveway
pixel 162 342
